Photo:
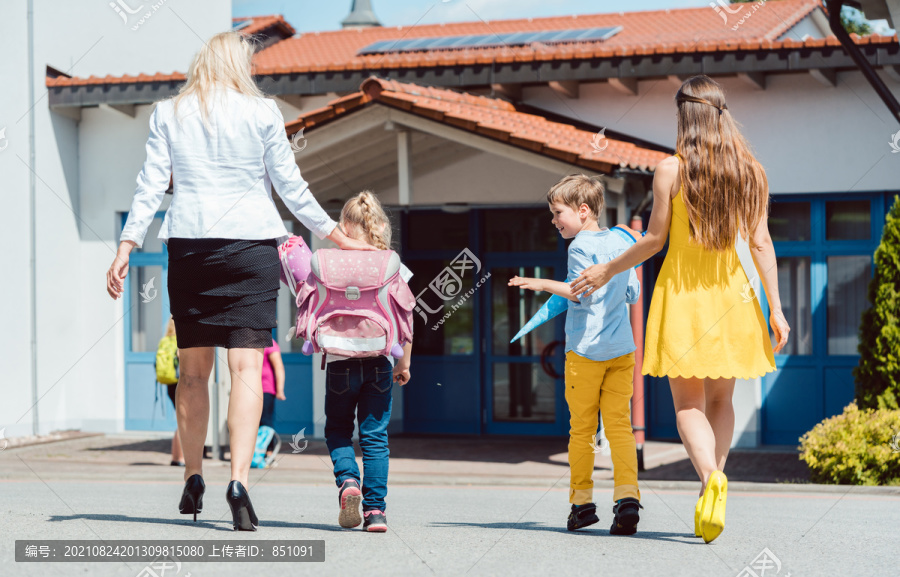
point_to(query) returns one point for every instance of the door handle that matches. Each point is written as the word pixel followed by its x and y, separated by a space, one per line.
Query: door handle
pixel 546 359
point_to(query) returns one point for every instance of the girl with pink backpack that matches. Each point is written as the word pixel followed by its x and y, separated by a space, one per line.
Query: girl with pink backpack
pixel 356 308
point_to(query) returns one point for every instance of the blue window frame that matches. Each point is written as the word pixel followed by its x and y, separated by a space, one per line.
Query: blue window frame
pixel 815 380
pixel 824 251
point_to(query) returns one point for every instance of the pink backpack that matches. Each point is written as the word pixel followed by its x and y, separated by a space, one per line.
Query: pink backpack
pixel 355 304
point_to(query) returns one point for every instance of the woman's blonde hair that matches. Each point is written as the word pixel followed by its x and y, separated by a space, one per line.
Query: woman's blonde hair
pixel 226 60
pixel 724 187
pixel 364 211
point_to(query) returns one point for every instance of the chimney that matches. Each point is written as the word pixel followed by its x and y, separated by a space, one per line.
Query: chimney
pixel 361 16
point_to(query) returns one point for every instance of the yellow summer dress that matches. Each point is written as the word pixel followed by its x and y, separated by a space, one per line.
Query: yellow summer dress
pixel 704 319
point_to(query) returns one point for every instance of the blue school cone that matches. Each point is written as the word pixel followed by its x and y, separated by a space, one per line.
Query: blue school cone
pixel 552 308
pixel 271 458
pixel 263 438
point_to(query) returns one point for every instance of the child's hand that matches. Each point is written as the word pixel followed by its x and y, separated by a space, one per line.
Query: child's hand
pixel 532 284
pixel 401 375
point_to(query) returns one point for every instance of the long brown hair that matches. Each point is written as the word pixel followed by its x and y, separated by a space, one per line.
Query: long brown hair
pixel 724 187
pixel 364 211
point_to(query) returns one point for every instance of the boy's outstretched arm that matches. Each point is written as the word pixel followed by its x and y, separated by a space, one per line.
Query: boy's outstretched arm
pixel 542 284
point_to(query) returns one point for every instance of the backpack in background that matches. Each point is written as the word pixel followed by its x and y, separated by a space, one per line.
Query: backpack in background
pixel 166 361
pixel 354 304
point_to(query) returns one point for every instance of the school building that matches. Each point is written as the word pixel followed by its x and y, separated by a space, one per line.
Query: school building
pixel 460 128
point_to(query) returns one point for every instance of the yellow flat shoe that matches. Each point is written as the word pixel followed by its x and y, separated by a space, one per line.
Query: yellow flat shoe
pixel 712 518
pixel 697 511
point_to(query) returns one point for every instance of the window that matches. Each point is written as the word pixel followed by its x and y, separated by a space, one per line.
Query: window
pixel 789 221
pixel 848 220
pixel 848 281
pixel 437 231
pixel 519 230
pixel 794 289
pixel 146 307
pixel 456 335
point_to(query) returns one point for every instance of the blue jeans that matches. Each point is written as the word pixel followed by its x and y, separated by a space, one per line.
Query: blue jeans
pixel 363 387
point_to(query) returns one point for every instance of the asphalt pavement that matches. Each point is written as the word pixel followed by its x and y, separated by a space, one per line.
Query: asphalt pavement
pixel 456 518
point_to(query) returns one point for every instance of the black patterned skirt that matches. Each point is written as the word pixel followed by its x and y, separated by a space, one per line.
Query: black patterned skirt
pixel 222 291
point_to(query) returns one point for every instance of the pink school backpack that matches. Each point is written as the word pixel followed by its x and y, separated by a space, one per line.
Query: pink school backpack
pixel 355 304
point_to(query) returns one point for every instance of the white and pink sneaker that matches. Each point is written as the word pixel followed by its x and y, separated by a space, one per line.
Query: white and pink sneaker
pixel 349 496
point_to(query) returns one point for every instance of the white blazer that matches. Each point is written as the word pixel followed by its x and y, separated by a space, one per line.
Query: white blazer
pixel 222 178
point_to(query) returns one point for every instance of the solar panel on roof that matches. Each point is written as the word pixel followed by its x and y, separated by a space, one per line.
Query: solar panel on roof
pixel 491 40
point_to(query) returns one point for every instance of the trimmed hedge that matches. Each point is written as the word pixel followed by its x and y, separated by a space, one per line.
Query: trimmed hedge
pixel 858 447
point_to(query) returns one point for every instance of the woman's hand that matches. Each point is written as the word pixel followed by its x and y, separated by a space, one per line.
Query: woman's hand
pixel 532 284
pixel 118 270
pixel 279 394
pixel 344 242
pixel 347 243
pixel 780 328
pixel 590 279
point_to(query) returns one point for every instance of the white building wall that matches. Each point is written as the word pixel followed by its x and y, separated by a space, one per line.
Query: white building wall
pixel 809 137
pixel 80 182
pixel 15 352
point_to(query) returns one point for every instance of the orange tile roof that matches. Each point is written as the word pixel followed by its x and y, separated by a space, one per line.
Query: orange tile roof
pixel 489 117
pixel 659 32
pixel 646 32
pixel 260 23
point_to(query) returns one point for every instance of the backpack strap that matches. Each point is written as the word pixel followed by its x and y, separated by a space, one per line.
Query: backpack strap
pixel 624 234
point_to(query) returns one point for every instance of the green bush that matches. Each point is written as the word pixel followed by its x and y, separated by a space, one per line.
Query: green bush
pixel 858 447
pixel 878 374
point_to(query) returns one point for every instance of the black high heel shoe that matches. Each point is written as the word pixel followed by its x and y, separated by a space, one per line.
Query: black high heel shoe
pixel 242 514
pixel 192 496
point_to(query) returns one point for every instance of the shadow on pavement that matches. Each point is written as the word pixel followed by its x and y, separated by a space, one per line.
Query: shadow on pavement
pixel 593 531
pixel 223 524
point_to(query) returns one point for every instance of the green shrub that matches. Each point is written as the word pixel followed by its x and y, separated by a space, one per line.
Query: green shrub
pixel 878 374
pixel 854 448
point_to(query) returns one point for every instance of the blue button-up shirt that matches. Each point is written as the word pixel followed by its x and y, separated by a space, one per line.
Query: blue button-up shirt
pixel 598 326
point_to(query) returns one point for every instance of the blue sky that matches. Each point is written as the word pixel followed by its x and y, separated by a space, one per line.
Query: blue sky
pixel 317 15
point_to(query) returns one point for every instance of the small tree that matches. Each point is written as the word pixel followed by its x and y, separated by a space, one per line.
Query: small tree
pixel 878 374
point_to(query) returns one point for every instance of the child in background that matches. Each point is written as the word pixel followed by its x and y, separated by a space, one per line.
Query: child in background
pixel 599 354
pixel 267 441
pixel 362 388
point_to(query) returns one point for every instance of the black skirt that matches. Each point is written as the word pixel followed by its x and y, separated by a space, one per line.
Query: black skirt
pixel 222 292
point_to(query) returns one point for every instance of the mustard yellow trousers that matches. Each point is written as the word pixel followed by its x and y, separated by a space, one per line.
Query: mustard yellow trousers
pixel 607 387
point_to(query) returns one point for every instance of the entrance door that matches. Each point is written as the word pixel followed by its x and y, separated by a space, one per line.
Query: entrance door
pixel 146 304
pixel 524 392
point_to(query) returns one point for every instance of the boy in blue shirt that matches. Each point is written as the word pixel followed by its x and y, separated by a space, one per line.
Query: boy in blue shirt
pixel 599 354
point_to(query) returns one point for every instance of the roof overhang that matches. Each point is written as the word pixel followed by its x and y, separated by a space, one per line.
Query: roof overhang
pixel 822 58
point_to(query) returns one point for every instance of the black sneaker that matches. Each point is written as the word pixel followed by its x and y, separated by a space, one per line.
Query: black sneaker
pixel 582 516
pixel 627 515
pixel 375 521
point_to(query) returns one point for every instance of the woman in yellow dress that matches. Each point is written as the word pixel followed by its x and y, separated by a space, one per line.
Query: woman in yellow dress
pixel 705 327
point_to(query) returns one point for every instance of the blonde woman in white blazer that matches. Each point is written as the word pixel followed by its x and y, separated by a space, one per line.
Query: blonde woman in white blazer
pixel 224 145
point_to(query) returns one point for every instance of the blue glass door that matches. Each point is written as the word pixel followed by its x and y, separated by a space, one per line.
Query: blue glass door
pixel 524 380
pixel 146 314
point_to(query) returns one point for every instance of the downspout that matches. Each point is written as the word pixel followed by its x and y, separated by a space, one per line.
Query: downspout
pixel 32 210
pixel 834 22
